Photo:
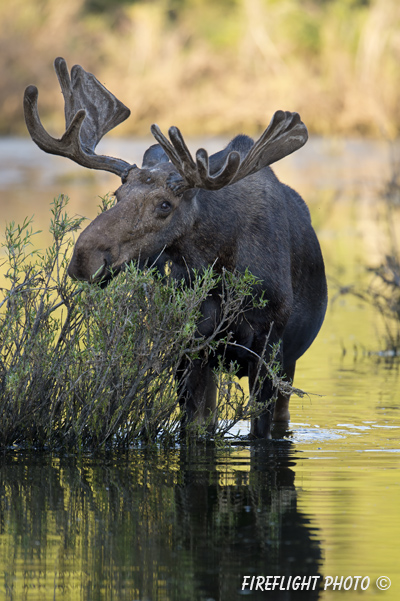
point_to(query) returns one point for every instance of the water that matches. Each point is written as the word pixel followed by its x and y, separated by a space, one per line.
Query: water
pixel 189 524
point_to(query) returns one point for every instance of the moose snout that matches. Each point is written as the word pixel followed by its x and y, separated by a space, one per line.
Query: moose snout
pixel 90 266
pixel 95 254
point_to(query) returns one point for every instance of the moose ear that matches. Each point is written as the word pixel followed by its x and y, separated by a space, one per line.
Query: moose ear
pixel 153 156
pixel 190 194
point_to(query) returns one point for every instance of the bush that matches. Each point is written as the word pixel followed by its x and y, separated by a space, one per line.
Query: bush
pixel 84 367
pixel 383 288
pixel 383 291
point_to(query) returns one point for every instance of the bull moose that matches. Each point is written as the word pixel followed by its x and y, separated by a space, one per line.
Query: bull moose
pixel 228 210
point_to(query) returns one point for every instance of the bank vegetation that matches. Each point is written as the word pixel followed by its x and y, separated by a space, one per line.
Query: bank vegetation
pixel 211 67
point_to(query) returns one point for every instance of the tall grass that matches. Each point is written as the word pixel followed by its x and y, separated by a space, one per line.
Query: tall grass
pixel 211 67
pixel 82 367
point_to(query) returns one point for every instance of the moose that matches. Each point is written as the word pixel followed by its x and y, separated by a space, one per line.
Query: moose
pixel 228 210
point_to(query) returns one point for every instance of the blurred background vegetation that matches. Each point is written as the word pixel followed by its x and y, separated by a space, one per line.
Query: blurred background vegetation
pixel 211 67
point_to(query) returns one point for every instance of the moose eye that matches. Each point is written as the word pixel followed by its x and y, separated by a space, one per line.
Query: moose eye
pixel 164 208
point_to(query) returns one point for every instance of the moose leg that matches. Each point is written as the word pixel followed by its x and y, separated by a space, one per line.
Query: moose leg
pixel 261 384
pixel 281 410
pixel 261 425
pixel 197 393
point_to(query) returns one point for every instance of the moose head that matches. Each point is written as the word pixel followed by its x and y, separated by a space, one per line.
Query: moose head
pixel 156 204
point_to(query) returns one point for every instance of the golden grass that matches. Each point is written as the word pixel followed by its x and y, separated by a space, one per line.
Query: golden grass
pixel 212 67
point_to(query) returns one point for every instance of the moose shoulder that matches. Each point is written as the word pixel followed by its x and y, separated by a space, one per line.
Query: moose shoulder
pixel 228 210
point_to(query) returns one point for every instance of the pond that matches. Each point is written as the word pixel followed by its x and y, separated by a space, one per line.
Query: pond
pixel 317 507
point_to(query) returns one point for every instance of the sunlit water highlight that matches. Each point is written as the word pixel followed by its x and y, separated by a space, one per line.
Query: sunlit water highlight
pixel 189 524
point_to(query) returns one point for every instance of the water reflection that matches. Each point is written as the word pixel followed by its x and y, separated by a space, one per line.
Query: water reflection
pixel 153 525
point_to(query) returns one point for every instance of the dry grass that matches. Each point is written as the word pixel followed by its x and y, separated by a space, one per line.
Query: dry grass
pixel 212 67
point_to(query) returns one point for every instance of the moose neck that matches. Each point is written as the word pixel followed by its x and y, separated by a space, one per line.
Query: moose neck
pixel 211 239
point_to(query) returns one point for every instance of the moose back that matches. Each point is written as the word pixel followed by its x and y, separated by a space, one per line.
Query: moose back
pixel 228 210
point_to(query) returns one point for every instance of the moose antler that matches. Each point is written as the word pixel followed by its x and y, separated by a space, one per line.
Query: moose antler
pixel 90 112
pixel 285 134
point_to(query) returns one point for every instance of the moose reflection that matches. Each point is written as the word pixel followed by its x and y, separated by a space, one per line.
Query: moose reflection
pixel 154 524
pixel 228 210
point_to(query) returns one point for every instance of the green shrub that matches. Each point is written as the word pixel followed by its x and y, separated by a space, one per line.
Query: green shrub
pixel 83 367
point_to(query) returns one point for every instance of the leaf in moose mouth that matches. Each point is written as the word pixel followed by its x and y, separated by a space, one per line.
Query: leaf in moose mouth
pixel 107 274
